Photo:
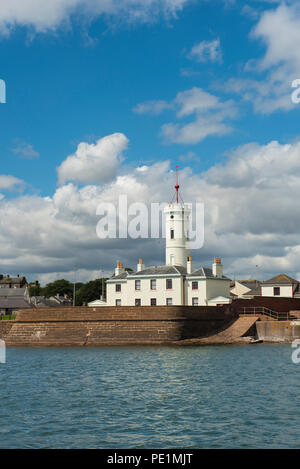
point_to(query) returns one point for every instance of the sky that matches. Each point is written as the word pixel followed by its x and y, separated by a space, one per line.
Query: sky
pixel 107 97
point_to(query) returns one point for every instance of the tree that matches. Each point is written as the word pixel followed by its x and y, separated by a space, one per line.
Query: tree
pixel 61 287
pixel 35 289
pixel 90 291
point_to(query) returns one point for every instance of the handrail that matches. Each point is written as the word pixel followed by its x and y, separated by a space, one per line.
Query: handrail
pixel 252 310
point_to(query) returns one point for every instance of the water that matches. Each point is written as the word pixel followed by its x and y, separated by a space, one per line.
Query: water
pixel 150 397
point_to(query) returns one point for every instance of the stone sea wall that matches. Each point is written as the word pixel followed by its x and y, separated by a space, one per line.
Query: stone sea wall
pixel 85 326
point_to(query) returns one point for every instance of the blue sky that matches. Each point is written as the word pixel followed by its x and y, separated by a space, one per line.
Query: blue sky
pixel 188 82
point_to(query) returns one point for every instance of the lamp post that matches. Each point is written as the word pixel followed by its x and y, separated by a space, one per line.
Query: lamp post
pixel 74 286
pixel 101 289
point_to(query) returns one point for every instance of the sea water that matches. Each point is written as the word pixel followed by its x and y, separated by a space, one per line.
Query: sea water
pixel 150 397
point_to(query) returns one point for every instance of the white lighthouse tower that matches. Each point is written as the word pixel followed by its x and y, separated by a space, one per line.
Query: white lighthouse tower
pixel 177 223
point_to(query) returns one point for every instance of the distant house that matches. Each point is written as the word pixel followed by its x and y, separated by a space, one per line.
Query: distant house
pixel 6 281
pixel 57 300
pixel 13 299
pixel 281 286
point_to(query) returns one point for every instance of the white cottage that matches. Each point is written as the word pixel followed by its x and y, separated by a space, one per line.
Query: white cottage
pixel 281 286
pixel 175 283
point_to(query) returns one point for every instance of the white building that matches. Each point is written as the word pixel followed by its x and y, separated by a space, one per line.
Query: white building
pixel 175 283
pixel 280 286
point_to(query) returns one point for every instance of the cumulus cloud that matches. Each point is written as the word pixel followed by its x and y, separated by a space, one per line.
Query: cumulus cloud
pixel 251 217
pixel 207 51
pixel 209 117
pixel 279 31
pixel 8 182
pixel 48 16
pixel 94 162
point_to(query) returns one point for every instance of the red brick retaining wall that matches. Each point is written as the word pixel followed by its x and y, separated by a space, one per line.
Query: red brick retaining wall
pixel 110 325
pixel 276 304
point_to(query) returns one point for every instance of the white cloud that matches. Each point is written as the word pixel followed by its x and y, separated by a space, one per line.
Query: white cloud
pixel 25 150
pixel 207 51
pixel 94 162
pixel 48 16
pixel 209 114
pixel 251 217
pixel 152 107
pixel 279 31
pixel 8 182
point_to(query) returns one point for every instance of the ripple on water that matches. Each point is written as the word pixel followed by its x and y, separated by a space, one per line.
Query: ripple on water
pixel 150 397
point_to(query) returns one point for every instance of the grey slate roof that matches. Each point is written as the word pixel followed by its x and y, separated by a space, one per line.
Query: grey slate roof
pixel 168 270
pixel 121 276
pixel 253 292
pixel 12 292
pixel 161 270
pixel 14 298
pixel 281 279
pixel 251 284
pixel 205 272
pixel 14 303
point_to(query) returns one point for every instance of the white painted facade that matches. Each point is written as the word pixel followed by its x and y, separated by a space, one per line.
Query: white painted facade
pixel 175 283
pixel 280 286
pixel 129 294
pixel 285 291
pixel 177 223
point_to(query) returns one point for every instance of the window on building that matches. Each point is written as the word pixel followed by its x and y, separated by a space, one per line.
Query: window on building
pixel 153 284
pixel 195 301
pixel 153 301
pixel 276 291
pixel 137 302
pixel 172 234
pixel 169 301
pixel 169 284
pixel 118 287
pixel 137 284
pixel 194 285
pixel 118 302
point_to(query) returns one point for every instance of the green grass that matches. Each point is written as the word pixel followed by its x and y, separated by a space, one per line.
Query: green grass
pixel 6 317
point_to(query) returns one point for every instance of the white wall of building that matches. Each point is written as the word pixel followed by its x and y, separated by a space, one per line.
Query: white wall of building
pixel 129 294
pixel 208 288
pixel 285 290
pixel 177 221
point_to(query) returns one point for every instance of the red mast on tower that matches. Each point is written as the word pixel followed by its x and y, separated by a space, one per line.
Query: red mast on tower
pixel 177 189
pixel 177 185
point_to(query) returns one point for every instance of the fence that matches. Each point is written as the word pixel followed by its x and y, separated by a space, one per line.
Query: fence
pixel 255 310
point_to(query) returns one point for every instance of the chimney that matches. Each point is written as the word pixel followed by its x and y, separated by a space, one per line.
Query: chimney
pixel 140 266
pixel 217 267
pixel 189 265
pixel 119 269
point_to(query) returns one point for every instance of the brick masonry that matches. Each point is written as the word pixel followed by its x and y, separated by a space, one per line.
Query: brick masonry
pixel 69 326
pixel 276 304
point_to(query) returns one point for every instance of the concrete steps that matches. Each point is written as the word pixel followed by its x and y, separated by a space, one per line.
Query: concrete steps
pixel 235 333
